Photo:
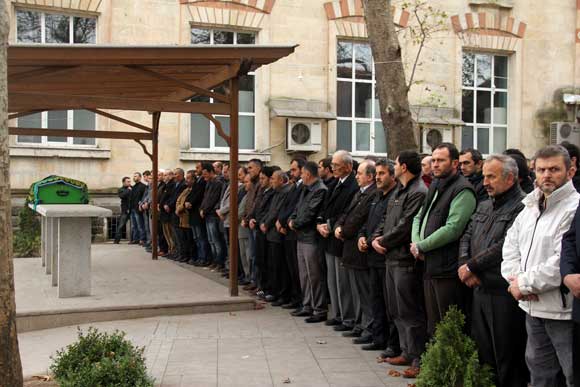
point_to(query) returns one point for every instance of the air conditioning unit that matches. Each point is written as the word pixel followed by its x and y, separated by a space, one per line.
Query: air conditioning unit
pixel 304 136
pixel 431 137
pixel 565 131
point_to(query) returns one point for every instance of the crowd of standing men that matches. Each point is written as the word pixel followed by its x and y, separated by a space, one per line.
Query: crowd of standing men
pixel 379 250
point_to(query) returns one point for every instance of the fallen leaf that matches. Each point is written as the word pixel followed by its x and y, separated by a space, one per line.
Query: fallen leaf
pixel 286 381
pixel 44 378
pixel 394 373
pixel 321 341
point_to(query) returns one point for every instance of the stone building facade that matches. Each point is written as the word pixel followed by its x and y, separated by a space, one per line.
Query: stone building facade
pixel 481 83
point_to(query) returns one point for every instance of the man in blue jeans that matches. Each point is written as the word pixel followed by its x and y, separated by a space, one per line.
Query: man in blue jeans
pixel 207 211
pixel 137 227
pixel 193 204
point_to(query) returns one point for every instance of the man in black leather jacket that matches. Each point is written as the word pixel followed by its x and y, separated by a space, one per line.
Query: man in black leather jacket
pixel 498 324
pixel 303 221
pixel 471 162
pixel 124 194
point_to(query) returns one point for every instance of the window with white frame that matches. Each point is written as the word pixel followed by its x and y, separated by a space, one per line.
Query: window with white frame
pixel 485 102
pixel 359 127
pixel 203 134
pixel 53 28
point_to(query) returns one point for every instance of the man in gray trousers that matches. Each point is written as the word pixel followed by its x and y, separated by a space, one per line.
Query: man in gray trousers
pixel 303 221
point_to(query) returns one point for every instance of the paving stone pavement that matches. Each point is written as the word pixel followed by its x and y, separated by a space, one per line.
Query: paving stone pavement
pixel 253 348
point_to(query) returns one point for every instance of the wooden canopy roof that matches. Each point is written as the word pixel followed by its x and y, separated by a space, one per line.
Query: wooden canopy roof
pixel 145 78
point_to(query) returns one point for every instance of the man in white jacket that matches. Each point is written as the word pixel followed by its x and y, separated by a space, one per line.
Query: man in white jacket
pixel 531 265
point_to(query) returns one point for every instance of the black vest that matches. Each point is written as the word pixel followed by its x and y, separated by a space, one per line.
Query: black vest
pixel 442 262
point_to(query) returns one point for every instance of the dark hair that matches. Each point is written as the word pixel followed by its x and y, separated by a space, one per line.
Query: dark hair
pixel 207 167
pixel 299 160
pixel 312 168
pixel 326 163
pixel 355 165
pixel 275 168
pixel 267 171
pixel 475 154
pixel 137 173
pixel 554 151
pixel 412 160
pixel 386 163
pixel 452 149
pixel 147 173
pixel 282 175
pixel 180 171
pixel 258 162
pixel 191 172
pixel 573 151
pixel 125 178
pixel 523 170
pixel 514 151
pixel 244 169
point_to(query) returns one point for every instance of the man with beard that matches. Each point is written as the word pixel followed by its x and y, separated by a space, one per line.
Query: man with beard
pixel 124 194
pixel 254 169
pixel 137 227
pixel 531 265
pixel 325 171
pixel 497 323
pixel 437 228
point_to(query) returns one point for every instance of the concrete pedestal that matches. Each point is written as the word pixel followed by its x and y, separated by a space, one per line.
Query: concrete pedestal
pixel 74 257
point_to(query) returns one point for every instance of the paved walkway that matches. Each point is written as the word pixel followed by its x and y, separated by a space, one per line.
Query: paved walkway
pixel 252 348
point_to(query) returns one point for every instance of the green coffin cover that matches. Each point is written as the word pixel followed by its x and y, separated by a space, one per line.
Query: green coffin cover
pixel 58 190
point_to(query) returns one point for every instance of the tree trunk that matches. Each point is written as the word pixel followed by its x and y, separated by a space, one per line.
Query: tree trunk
pixel 390 76
pixel 10 366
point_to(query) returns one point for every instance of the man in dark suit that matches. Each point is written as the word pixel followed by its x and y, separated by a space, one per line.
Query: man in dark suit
pixel 337 200
pixel 124 194
pixel 202 256
pixel 165 212
pixel 570 270
pixel 179 187
pixel 353 260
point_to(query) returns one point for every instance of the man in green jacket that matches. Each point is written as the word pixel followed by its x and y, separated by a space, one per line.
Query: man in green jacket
pixel 437 229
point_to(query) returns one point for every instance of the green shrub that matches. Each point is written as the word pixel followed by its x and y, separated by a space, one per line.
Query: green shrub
pixel 451 359
pixel 101 360
pixel 26 242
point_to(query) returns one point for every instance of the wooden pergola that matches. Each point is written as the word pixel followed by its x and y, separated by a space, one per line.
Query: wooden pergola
pixel 154 79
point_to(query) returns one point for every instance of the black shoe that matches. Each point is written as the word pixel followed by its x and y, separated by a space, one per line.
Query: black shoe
pixel 342 328
pixel 353 333
pixel 390 352
pixel 278 303
pixel 243 282
pixel 364 340
pixel 373 347
pixel 271 298
pixel 116 242
pixel 301 313
pixel 291 305
pixel 191 262
pixel 316 319
pixel 332 322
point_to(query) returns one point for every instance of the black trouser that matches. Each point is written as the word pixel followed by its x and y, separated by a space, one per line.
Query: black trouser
pixel 295 292
pixel 277 273
pixel 383 329
pixel 179 240
pixel 163 246
pixel 440 294
pixel 121 225
pixel 576 353
pixel 499 329
pixel 261 258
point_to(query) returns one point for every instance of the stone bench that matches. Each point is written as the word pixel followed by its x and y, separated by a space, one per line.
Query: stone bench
pixel 66 245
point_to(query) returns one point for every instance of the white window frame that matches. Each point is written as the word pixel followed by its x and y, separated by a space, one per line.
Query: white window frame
pixel 212 129
pixel 70 113
pixel 493 90
pixel 354 119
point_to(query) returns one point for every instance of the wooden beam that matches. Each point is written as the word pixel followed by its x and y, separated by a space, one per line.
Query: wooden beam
pixel 21 101
pixel 234 187
pixel 145 149
pixel 209 81
pixel 24 114
pixel 185 85
pixel 13 130
pixel 122 120
pixel 219 128
pixel 37 73
pixel 154 202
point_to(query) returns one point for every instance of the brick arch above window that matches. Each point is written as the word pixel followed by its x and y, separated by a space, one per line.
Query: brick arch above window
pixel 82 5
pixel 352 11
pixel 260 6
pixel 484 30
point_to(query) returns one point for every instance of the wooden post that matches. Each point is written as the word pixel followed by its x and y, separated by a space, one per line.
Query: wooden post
pixel 154 202
pixel 234 135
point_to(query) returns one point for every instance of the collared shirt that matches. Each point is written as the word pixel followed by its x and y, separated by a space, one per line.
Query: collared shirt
pixel 342 179
pixel 363 189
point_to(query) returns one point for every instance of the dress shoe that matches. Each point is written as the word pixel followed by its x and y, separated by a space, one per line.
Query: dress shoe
pixel 364 340
pixel 353 333
pixel 291 305
pixel 316 319
pixel 390 352
pixel 411 372
pixel 270 298
pixel 134 242
pixel 301 313
pixel 278 303
pixel 243 282
pixel 372 347
pixel 249 287
pixel 116 242
pixel 399 360
pixel 332 322
pixel 342 328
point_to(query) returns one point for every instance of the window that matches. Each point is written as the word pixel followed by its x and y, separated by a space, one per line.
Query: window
pixel 54 28
pixel 485 102
pixel 203 134
pixel 359 126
